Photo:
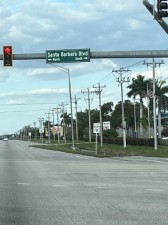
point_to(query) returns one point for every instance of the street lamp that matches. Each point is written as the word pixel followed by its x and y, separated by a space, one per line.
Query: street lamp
pixel 63 69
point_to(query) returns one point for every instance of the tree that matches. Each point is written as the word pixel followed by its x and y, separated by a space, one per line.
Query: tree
pixel 83 118
pixel 82 123
pixel 138 88
pixel 106 109
pixel 66 123
pixel 128 111
pixel 67 119
pixel 131 111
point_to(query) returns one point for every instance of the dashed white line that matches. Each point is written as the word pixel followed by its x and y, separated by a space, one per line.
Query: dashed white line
pixel 156 190
pixel 24 183
pixel 60 185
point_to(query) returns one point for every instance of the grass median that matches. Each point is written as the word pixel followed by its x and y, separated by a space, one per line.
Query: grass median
pixel 108 150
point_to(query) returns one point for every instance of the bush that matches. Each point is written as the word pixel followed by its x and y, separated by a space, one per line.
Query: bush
pixel 165 132
pixel 110 133
pixel 130 141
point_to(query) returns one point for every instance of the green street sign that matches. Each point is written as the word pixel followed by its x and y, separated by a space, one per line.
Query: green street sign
pixel 68 56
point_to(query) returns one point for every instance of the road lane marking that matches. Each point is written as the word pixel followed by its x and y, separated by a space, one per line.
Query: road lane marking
pixel 81 157
pixel 41 152
pixel 105 187
pixel 157 190
pixel 60 185
pixel 156 161
pixel 23 183
pixel 24 151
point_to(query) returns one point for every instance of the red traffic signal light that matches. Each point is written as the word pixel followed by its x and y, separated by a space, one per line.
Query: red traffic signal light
pixel 162 7
pixel 7 56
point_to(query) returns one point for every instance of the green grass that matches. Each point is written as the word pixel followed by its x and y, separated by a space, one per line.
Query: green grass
pixel 108 150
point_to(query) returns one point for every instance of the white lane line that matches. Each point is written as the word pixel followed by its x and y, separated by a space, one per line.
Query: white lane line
pixel 156 190
pixel 55 153
pixel 81 157
pixel 21 148
pixel 23 183
pixel 15 183
pixel 156 161
pixel 41 152
pixel 105 187
pixel 60 185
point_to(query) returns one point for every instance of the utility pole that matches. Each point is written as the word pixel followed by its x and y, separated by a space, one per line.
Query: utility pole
pixel 64 125
pixel 88 99
pixel 53 110
pixel 149 95
pixel 122 80
pixel 58 130
pixel 154 64
pixel 48 125
pixel 76 113
pixel 35 131
pixel 98 92
pixel 41 121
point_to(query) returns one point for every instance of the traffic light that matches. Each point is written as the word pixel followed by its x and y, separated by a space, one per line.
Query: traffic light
pixel 7 56
pixel 162 7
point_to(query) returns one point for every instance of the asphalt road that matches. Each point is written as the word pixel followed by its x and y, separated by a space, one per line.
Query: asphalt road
pixel 45 187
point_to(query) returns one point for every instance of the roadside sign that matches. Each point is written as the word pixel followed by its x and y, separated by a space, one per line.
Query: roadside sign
pixel 106 125
pixel 41 130
pixel 96 128
pixel 68 56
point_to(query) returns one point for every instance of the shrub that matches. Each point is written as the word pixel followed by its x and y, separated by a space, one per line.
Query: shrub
pixel 130 141
pixel 110 133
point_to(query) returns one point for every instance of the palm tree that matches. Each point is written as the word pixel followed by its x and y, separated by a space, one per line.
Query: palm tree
pixel 138 88
pixel 162 100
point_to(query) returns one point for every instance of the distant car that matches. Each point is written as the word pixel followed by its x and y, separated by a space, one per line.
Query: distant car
pixel 5 139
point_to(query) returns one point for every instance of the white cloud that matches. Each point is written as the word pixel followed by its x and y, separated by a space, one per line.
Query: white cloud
pixel 134 23
pixel 15 102
pixel 34 92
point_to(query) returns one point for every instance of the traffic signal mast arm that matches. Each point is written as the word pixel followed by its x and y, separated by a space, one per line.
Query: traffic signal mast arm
pixel 102 54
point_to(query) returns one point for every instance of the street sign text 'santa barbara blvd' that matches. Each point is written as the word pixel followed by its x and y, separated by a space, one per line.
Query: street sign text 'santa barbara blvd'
pixel 68 56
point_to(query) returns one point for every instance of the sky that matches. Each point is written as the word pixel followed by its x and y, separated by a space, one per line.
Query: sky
pixel 32 88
